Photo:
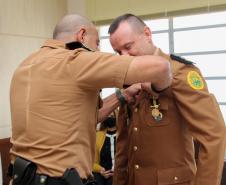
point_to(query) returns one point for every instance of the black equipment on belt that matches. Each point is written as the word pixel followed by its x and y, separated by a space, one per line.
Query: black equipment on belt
pixel 71 177
pixel 23 172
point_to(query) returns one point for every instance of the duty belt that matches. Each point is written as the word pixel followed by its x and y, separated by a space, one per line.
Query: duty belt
pixel 23 172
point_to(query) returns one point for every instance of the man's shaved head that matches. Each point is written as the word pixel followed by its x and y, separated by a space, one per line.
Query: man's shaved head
pixel 69 25
pixel 77 28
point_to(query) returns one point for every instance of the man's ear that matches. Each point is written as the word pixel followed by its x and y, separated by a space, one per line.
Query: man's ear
pixel 80 35
pixel 147 32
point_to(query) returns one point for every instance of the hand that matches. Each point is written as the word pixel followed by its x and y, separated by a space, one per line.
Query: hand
pixel 131 92
pixel 106 173
pixel 147 87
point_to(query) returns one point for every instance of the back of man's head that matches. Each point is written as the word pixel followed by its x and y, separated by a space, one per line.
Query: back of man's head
pixel 133 20
pixel 69 25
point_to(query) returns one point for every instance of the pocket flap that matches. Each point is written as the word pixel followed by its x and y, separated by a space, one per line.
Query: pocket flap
pixel 174 175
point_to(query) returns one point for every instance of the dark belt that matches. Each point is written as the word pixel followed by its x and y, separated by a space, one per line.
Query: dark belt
pixel 24 172
pixel 46 180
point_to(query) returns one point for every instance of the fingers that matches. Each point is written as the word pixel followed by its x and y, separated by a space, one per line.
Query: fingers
pixel 107 174
pixel 131 92
pixel 147 87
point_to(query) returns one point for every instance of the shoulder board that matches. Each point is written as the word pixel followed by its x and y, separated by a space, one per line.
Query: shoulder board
pixel 180 59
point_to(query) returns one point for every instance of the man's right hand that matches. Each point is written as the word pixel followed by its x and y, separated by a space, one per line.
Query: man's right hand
pixel 131 92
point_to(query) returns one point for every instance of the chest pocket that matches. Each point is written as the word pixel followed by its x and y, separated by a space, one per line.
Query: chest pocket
pixel 179 175
pixel 145 112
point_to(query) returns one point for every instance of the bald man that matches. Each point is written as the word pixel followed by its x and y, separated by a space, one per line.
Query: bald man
pixel 54 102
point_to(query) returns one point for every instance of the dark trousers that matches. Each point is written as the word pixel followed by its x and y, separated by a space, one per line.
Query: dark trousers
pixel 223 180
pixel 101 180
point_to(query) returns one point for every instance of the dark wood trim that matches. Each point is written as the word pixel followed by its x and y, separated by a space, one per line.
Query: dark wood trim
pixel 5 146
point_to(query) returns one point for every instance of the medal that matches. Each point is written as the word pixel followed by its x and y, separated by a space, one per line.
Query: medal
pixel 156 114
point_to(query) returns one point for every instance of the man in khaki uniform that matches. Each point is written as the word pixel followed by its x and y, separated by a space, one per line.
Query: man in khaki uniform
pixel 54 99
pixel 155 142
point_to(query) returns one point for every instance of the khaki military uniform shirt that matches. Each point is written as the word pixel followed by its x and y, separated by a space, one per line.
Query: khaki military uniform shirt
pixel 151 152
pixel 54 105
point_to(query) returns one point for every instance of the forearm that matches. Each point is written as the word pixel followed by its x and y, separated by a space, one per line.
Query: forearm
pixel 152 69
pixel 109 105
pixel 163 78
pixel 119 98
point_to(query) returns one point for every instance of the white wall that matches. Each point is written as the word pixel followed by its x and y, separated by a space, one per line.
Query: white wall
pixel 24 25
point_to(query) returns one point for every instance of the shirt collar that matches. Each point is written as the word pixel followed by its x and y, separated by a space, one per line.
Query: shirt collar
pixel 54 44
pixel 59 44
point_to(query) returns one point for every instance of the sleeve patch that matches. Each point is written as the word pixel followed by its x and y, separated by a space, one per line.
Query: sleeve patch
pixel 195 81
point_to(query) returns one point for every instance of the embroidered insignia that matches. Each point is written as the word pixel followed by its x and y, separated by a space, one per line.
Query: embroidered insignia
pixel 195 80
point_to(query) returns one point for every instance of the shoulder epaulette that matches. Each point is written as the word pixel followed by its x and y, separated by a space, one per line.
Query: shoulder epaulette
pixel 180 59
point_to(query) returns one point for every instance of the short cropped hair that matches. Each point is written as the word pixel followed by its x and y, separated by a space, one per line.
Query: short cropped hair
pixel 133 20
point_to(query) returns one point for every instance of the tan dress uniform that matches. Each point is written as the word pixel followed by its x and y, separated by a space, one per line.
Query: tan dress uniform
pixel 54 105
pixel 151 152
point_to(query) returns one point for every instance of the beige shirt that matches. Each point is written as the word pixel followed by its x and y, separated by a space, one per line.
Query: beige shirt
pixel 54 103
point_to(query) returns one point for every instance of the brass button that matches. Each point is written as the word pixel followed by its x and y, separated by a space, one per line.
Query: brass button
pixel 135 129
pixel 175 178
pixel 136 109
pixel 135 148
pixel 137 166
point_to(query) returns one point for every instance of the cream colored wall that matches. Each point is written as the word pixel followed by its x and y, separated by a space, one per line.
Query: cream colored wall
pixel 24 25
pixel 77 7
pixel 102 10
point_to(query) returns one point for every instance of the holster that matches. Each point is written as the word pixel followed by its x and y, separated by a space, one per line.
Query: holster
pixel 71 177
pixel 23 171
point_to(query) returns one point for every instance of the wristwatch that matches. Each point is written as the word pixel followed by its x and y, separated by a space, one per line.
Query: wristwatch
pixel 120 97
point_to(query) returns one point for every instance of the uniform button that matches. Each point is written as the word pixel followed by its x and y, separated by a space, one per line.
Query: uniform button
pixel 137 166
pixel 136 109
pixel 135 148
pixel 175 178
pixel 135 129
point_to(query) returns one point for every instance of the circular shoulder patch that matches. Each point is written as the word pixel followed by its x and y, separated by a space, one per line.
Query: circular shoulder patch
pixel 195 80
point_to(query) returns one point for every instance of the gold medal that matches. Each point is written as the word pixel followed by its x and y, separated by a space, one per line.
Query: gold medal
pixel 156 114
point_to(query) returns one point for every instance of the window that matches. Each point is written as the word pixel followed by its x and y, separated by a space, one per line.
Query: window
pixel 209 39
pixel 199 38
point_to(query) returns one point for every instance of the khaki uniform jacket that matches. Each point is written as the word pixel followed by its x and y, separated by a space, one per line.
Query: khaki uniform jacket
pixel 162 153
pixel 54 105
